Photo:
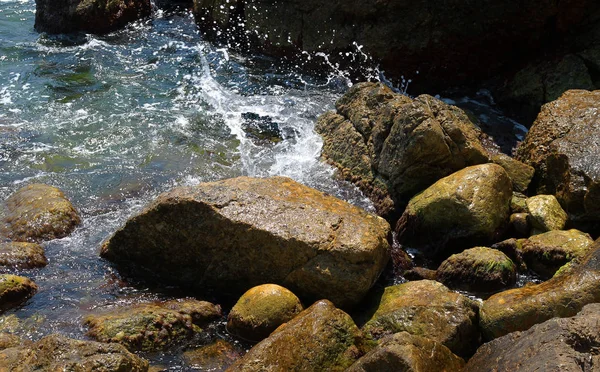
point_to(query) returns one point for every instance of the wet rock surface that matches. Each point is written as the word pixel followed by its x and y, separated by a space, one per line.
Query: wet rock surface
pixel 153 326
pixel 560 344
pixel 19 255
pixel 59 353
pixel 545 213
pixel 429 309
pixel 36 213
pixel 321 335
pixel 231 235
pixel 15 290
pixel 411 353
pixel 94 16
pixel 215 357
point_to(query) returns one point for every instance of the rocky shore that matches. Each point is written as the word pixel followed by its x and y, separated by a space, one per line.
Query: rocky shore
pixel 302 277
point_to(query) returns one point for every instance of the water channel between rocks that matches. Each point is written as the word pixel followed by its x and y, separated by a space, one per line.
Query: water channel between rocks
pixel 115 120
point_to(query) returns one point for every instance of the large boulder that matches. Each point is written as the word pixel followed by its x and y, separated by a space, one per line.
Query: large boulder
pixel 449 45
pixel 469 207
pixel 321 335
pixel 94 16
pixel 557 345
pixel 153 326
pixel 15 290
pixel 261 310
pixel 562 296
pixel 59 353
pixel 37 212
pixel 19 255
pixel 562 146
pixel 408 353
pixel 231 235
pixel 392 146
pixel 429 309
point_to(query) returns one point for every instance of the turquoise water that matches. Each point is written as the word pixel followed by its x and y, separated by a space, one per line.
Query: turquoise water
pixel 116 120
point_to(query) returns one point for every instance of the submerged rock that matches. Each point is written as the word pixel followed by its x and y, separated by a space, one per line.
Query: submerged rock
pixel 215 357
pixel 320 336
pixel 429 309
pixel 15 290
pixel 563 146
pixel 562 296
pixel 392 146
pixel 478 269
pixel 94 16
pixel 59 353
pixel 545 213
pixel 19 255
pixel 234 234
pixel 261 310
pixel 37 212
pixel 470 206
pixel 155 326
pixel 559 344
pixel 409 353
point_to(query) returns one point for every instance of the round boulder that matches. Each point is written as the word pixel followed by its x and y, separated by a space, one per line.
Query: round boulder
pixel 19 255
pixel 478 269
pixel 545 213
pixel 37 212
pixel 261 310
pixel 15 290
pixel 231 235
pixel 469 206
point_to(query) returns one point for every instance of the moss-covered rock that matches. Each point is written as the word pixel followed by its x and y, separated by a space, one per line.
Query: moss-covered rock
pixel 519 223
pixel 562 146
pixel 261 310
pixel 429 309
pixel 15 290
pixel 419 273
pixel 59 353
pixel 469 206
pixel 559 344
pixel 410 353
pixel 513 249
pixel 518 203
pixel 321 336
pixel 562 296
pixel 10 340
pixel 152 326
pixel 478 269
pixel 94 16
pixel 231 235
pixel 520 173
pixel 216 357
pixel 19 255
pixel 546 253
pixel 393 147
pixel 545 213
pixel 37 212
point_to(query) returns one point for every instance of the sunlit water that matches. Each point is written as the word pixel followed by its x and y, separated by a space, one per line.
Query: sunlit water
pixel 116 120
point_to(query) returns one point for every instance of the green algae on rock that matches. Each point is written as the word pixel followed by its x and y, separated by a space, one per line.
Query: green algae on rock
pixel 470 206
pixel 217 356
pixel 229 236
pixel 429 309
pixel 261 310
pixel 37 212
pixel 478 269
pixel 562 296
pixel 410 353
pixel 59 353
pixel 520 173
pixel 15 290
pixel 545 213
pixel 153 326
pixel 20 255
pixel 321 335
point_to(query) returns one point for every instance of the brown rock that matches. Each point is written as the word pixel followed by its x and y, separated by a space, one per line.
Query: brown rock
pixel 18 255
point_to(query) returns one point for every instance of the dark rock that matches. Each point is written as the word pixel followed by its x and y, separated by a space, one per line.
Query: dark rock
pixel 261 128
pixel 519 222
pixel 59 353
pixel 513 248
pixel 234 234
pixel 563 146
pixel 410 353
pixel 320 336
pixel 94 16
pixel 429 309
pixel 18 255
pixel 15 290
pixel 520 173
pixel 419 273
pixel 478 269
pixel 154 326
pixel 37 212
pixel 559 344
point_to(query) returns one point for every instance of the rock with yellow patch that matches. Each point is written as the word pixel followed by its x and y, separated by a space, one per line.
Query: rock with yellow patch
pixel 152 326
pixel 261 310
pixel 231 235
pixel 15 290
pixel 545 213
pixel 429 309
pixel 37 212
pixel 20 255
pixel 562 296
